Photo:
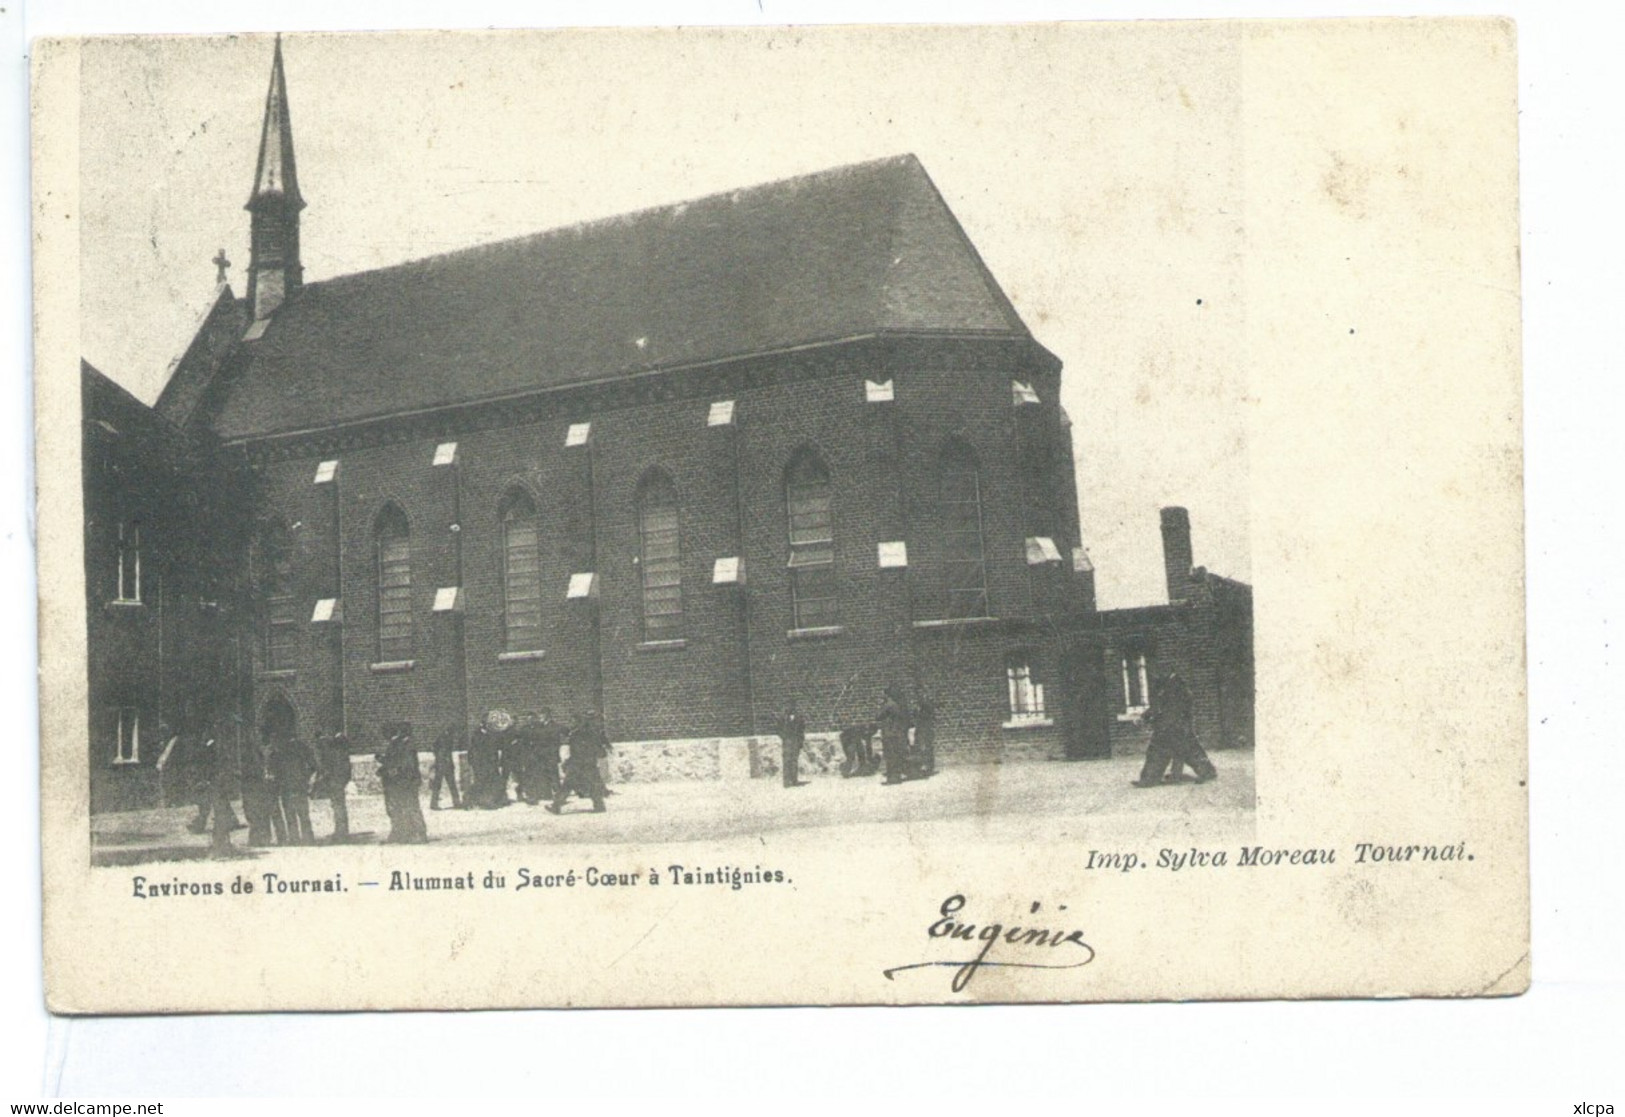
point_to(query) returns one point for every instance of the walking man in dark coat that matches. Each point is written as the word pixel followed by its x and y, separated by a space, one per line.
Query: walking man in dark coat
pixel 587 746
pixel 260 802
pixel 792 739
pixel 894 736
pixel 221 785
pixel 292 766
pixel 445 770
pixel 198 754
pixel 925 737
pixel 333 782
pixel 1173 737
pixel 856 755
pixel 202 753
pixel 527 760
pixel 401 780
pixel 549 744
pixel 482 759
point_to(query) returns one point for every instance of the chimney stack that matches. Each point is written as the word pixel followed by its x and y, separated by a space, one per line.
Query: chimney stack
pixel 1176 552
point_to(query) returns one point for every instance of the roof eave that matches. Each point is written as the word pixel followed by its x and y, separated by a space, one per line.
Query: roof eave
pixel 640 375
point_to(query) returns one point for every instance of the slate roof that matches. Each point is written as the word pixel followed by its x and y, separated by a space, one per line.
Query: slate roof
pixel 851 252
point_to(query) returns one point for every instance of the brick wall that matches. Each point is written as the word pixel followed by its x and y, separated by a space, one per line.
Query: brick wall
pixel 738 661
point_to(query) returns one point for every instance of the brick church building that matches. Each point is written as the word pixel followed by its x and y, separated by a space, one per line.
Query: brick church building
pixel 685 466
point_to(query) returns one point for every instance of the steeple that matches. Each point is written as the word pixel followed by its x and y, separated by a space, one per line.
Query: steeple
pixel 274 271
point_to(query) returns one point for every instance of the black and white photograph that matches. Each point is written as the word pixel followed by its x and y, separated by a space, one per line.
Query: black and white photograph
pixel 662 514
pixel 610 491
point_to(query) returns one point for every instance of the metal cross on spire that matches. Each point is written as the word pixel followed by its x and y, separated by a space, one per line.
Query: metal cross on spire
pixel 221 264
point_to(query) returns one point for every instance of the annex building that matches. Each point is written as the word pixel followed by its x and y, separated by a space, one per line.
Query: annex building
pixel 686 466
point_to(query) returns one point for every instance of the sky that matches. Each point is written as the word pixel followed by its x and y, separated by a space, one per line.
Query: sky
pixel 1096 169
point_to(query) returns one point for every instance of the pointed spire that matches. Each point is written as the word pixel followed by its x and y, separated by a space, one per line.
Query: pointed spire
pixel 274 272
pixel 275 175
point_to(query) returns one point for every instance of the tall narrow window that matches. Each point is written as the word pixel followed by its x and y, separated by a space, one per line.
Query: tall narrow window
pixel 129 561
pixel 275 576
pixel 394 586
pixel 127 735
pixel 521 574
pixel 813 598
pixel 964 567
pixel 1025 692
pixel 660 558
pixel 1136 685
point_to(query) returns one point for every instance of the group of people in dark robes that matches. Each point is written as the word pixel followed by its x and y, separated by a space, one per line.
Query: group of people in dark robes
pixel 532 759
pixel 904 755
pixel 277 779
pixel 529 759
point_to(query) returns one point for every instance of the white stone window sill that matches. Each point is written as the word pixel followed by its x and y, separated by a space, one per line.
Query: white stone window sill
pixel 394 666
pixel 125 603
pixel 279 673
pixel 822 633
pixel 662 645
pixel 126 763
pixel 1029 723
pixel 957 622
pixel 520 657
pixel 1135 714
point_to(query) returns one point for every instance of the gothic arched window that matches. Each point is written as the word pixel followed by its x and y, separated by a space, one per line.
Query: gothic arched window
pixel 521 573
pixel 394 572
pixel 660 558
pixel 959 518
pixel 814 602
pixel 274 577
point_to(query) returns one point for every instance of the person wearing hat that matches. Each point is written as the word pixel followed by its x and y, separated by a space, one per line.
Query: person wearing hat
pixel 333 777
pixel 401 780
pixel 201 752
pixel 445 770
pixel 549 745
pixel 925 737
pixel 484 757
pixel 588 744
pixel 293 763
pixel 894 736
pixel 261 806
pixel 1173 736
pixel 527 761
pixel 792 739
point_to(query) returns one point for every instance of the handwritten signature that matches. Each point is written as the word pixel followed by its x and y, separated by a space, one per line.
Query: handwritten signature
pixel 1063 946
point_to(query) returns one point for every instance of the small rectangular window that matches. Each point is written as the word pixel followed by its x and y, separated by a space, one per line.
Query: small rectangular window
pixel 127 735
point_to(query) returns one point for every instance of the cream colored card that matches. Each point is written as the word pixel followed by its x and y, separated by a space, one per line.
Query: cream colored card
pixel 1030 403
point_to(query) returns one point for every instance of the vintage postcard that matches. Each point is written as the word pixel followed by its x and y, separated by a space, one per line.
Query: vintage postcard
pixel 780 516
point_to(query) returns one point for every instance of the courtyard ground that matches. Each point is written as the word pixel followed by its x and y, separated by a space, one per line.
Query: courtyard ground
pixel 981 800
